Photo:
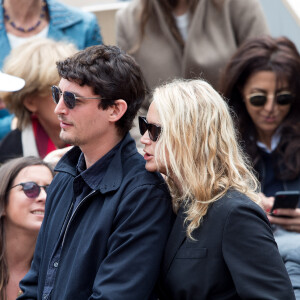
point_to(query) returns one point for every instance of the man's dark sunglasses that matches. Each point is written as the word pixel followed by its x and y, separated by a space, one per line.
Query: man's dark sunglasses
pixel 31 189
pixel 153 130
pixel 282 98
pixel 69 97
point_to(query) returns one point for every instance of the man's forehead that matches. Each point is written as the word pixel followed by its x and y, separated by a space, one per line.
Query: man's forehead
pixel 73 86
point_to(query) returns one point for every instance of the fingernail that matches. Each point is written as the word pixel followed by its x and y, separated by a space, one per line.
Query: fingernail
pixel 268 210
pixel 274 211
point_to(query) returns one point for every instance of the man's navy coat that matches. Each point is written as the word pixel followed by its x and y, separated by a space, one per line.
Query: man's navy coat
pixel 114 241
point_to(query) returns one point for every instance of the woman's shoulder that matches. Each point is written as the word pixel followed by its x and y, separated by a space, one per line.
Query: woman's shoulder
pixel 235 201
pixel 131 10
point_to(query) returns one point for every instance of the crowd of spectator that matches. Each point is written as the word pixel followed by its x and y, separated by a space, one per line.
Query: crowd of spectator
pixel 214 97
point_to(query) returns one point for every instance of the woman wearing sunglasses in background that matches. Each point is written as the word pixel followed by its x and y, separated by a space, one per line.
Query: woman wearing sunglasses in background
pixel 262 85
pixel 38 129
pixel 22 204
pixel 221 245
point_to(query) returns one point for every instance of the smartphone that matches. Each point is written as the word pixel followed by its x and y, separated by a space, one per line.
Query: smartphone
pixel 286 199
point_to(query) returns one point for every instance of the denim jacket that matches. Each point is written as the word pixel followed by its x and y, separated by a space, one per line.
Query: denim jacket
pixel 66 23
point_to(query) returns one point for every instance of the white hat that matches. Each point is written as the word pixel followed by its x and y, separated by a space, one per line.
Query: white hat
pixel 9 83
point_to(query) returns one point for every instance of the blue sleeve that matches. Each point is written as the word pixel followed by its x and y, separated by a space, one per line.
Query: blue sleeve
pixel 5 123
pixel 93 34
pixel 252 257
pixel 135 247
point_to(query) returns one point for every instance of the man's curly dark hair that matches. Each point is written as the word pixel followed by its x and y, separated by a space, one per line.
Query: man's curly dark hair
pixel 112 74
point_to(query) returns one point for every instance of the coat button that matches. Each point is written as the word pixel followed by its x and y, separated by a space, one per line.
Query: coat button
pixel 55 264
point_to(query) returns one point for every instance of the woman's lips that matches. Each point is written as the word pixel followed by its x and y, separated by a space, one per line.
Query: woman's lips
pixel 269 119
pixel 147 156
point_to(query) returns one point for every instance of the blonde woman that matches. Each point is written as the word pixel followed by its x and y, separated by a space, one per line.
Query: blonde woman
pixel 221 245
pixel 38 129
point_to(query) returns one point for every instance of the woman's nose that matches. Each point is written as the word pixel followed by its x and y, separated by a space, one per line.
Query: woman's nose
pixel 145 138
pixel 42 196
pixel 270 104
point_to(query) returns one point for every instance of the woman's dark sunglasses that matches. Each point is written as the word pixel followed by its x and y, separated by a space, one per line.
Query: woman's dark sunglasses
pixel 153 130
pixel 282 98
pixel 69 97
pixel 31 189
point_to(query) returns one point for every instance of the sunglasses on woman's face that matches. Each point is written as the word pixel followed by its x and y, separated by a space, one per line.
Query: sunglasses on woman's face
pixel 282 98
pixel 69 97
pixel 153 130
pixel 31 189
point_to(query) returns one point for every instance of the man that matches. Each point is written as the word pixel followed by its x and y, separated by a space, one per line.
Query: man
pixel 107 218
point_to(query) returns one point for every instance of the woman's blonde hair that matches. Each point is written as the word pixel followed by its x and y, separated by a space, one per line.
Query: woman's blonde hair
pixel 199 147
pixel 35 62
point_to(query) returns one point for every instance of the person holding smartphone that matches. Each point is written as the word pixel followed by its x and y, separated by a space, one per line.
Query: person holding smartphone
pixel 262 85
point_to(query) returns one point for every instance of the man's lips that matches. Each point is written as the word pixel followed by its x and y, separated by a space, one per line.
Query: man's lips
pixel 64 124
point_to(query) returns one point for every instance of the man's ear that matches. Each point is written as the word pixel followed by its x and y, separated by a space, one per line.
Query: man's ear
pixel 117 110
pixel 30 103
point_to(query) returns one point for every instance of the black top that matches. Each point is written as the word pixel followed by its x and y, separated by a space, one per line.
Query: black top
pixel 11 146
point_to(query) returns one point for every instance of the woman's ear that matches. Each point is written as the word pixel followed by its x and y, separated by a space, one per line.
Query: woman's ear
pixel 117 110
pixel 30 103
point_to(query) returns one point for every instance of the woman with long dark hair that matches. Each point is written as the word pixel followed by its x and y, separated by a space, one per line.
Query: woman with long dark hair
pixel 262 85
pixel 23 186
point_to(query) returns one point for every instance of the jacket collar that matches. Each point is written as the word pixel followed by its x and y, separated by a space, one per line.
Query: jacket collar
pixel 114 174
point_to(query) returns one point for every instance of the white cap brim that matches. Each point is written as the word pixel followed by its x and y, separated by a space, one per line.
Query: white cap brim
pixel 9 83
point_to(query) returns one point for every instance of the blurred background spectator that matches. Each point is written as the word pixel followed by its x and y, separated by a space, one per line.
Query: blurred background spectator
pixel 262 85
pixel 22 204
pixel 21 20
pixel 37 131
pixel 185 38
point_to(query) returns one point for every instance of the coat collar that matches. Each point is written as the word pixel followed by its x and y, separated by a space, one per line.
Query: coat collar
pixel 114 174
pixel 176 238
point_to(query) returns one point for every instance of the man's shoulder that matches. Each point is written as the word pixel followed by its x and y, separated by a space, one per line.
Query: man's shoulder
pixel 134 170
pixel 132 9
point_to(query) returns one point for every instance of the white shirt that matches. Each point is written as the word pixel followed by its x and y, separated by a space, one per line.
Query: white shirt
pixel 16 41
pixel 183 24
pixel 274 142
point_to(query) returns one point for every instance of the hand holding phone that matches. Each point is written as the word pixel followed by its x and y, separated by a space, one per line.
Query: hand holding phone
pixel 286 199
